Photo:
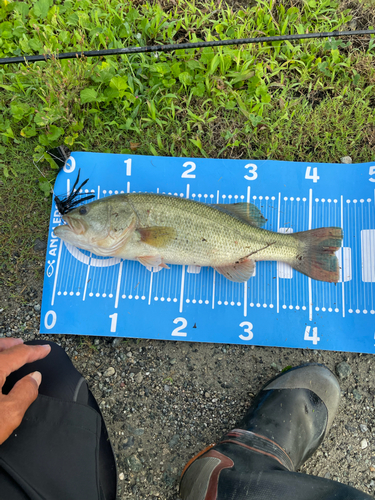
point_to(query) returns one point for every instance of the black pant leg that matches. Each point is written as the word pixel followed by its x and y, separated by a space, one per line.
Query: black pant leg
pixel 62 382
pixel 232 472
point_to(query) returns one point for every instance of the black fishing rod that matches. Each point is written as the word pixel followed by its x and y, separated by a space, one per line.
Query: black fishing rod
pixel 176 46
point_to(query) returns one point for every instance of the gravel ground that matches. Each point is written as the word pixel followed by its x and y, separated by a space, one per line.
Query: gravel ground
pixel 164 401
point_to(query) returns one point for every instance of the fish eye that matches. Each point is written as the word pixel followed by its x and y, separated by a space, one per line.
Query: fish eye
pixel 83 211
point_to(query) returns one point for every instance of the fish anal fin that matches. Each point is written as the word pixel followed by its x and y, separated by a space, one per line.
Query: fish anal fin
pixel 247 212
pixel 239 272
pixel 152 261
pixel 157 236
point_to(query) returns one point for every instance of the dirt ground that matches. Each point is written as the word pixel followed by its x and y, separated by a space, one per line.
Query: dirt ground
pixel 165 401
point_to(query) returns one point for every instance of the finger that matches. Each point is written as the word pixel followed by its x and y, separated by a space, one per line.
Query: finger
pixel 8 343
pixel 15 404
pixel 17 356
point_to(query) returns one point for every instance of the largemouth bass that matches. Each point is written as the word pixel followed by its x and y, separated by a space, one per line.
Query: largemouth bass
pixel 157 230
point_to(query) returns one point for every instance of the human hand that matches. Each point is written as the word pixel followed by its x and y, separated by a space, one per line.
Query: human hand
pixel 13 355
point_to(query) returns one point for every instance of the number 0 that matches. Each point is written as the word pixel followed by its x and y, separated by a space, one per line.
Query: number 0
pixel 46 320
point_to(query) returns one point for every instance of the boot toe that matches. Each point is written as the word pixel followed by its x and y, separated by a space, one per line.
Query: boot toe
pixel 317 378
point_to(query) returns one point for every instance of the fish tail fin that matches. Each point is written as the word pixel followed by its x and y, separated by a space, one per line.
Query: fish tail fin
pixel 316 255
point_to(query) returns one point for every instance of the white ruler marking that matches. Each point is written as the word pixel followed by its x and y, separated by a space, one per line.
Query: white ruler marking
pixel 149 293
pixel 87 278
pixel 213 290
pixel 343 282
pixel 277 274
pixel 182 288
pixel 118 284
pixel 310 286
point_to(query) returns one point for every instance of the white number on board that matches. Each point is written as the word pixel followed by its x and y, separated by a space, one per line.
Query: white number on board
pixel 314 177
pixel 113 322
pixel 248 330
pixel 252 170
pixel 69 167
pixel 187 174
pixel 50 323
pixel 128 164
pixel 372 172
pixel 314 337
pixel 177 331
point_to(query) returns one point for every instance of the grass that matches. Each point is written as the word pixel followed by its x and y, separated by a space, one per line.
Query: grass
pixel 300 101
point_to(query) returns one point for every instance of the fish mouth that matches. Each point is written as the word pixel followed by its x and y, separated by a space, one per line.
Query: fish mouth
pixel 76 226
pixel 72 226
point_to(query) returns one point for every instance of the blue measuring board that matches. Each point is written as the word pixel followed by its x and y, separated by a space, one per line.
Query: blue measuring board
pixel 90 295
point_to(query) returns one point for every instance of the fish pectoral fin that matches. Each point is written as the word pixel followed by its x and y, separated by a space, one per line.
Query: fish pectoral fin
pixel 157 236
pixel 152 261
pixel 239 272
pixel 246 212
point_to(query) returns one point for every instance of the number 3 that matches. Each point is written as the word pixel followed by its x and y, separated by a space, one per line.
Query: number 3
pixel 372 172
pixel 247 330
pixel 252 170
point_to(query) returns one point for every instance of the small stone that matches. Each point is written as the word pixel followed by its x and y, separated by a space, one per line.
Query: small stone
pixel 37 307
pixel 116 341
pixel 364 444
pixel 343 370
pixel 128 443
pixel 134 463
pixel 327 475
pixel 357 395
pixel 138 432
pixel 40 245
pixel 175 439
pixel 346 159
pixel 138 378
pixel 167 388
pixel 363 427
pixel 173 361
pixel 276 367
pixel 109 372
pixel 121 476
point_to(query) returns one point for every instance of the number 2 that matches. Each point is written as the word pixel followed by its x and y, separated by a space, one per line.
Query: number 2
pixel 177 331
pixel 252 170
pixel 372 172
pixel 187 174
pixel 247 330
pixel 314 177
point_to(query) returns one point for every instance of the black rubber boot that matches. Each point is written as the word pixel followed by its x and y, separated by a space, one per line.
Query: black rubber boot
pixel 283 427
pixel 291 414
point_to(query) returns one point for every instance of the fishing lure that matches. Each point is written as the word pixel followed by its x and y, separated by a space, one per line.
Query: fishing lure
pixel 65 205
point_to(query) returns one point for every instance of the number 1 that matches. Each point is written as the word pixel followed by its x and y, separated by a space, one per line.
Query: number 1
pixel 113 322
pixel 128 164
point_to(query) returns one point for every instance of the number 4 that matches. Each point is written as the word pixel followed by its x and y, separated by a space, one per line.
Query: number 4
pixel 314 337
pixel 314 177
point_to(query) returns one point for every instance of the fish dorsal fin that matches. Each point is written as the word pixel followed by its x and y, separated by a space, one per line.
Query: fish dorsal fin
pixel 247 212
pixel 238 271
pixel 157 236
